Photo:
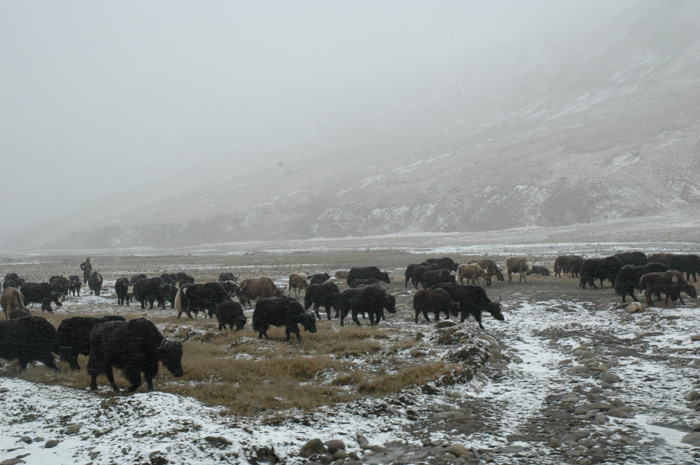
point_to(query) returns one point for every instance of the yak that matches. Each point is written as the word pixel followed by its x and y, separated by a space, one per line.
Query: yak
pixel 73 337
pixel 124 291
pixel 322 295
pixel 369 299
pixel 260 288
pixel 230 313
pixel 567 264
pixel 282 311
pixel 95 283
pixel 298 282
pixel 191 298
pixel 368 272
pixel 516 265
pixel 446 263
pixel 434 300
pixel 670 282
pixel 28 339
pixel 491 270
pixel 472 300
pixel 472 272
pixel 75 284
pixel 627 279
pixel 11 299
pixel 134 346
pixel 41 293
pixel 599 268
pixel 319 278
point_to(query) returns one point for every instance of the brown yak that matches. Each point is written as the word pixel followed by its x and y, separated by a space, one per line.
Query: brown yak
pixel 11 299
pixel 298 282
pixel 471 272
pixel 516 265
pixel 260 288
pixel 670 282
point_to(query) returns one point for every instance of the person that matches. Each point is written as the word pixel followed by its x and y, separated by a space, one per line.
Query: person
pixel 87 269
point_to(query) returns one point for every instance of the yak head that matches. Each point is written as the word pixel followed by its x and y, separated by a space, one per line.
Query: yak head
pixel 385 278
pixel 240 322
pixel 170 353
pixel 495 310
pixel 308 321
pixel 390 303
pixel 57 298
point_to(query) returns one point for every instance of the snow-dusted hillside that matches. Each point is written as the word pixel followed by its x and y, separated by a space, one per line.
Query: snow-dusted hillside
pixel 569 130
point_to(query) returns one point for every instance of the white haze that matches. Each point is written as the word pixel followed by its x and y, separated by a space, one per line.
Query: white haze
pixel 101 100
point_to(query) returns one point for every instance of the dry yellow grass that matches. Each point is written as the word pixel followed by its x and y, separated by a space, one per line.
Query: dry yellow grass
pixel 247 375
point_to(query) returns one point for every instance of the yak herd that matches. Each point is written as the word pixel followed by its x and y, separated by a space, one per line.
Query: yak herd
pixel 136 346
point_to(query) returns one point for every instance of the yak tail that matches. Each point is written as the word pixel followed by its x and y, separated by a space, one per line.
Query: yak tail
pixel 178 300
pixel 641 285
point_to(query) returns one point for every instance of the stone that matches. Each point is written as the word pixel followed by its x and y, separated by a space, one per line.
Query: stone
pixel 51 443
pixel 457 450
pixel 339 454
pixel 635 307
pixel 628 441
pixel 554 443
pixel 618 413
pixel 218 441
pixel 27 439
pixel 362 441
pixel 610 377
pixel 14 461
pixel 312 447
pixel 334 445
pixel 72 428
pixel 691 438
pixel 444 324
pixel 692 395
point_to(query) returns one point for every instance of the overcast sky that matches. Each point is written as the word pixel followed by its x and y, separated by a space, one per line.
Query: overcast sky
pixel 106 96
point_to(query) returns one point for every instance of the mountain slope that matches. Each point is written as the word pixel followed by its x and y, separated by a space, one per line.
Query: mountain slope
pixel 598 128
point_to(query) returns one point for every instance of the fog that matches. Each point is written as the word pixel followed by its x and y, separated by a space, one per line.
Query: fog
pixel 106 99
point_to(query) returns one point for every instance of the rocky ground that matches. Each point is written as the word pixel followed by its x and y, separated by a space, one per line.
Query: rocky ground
pixel 572 376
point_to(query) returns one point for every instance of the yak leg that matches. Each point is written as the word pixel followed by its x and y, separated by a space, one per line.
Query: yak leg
pixel 150 371
pixel 647 294
pixel 134 377
pixel 354 317
pixel 477 317
pixel 110 377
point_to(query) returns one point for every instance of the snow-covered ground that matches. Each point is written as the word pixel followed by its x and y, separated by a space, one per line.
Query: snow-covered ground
pixel 554 341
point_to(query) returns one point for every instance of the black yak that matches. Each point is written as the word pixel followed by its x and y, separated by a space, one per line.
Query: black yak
pixel 133 346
